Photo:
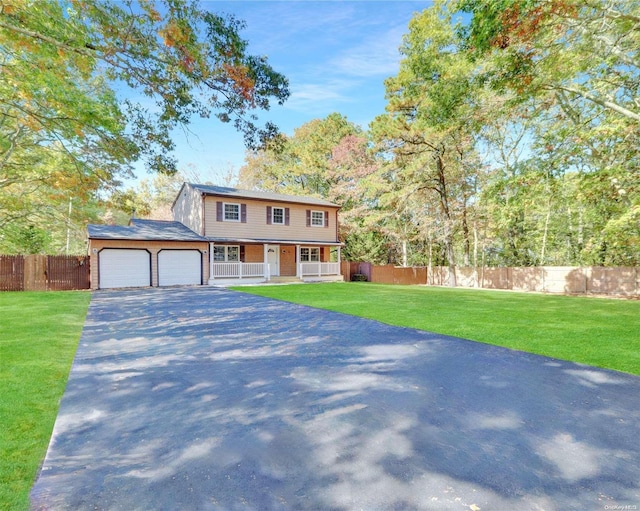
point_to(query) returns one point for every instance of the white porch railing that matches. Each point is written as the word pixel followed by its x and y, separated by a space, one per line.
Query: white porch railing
pixel 238 270
pixel 319 269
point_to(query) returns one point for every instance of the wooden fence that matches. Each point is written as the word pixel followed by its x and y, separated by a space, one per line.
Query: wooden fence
pixel 593 280
pixel 44 273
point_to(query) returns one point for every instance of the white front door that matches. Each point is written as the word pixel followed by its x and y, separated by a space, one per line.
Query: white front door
pixel 273 258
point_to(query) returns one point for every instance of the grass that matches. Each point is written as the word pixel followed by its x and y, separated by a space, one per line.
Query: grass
pixel 39 334
pixel 599 332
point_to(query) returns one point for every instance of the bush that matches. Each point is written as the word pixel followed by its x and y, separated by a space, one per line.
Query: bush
pixel 358 277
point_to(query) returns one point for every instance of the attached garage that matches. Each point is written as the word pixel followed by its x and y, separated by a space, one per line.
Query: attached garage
pixel 179 267
pixel 147 253
pixel 124 268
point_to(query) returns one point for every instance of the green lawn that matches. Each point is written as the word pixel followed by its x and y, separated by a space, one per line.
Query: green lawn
pixel 39 333
pixel 595 331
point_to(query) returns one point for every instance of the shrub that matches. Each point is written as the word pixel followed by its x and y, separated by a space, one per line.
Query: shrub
pixel 358 277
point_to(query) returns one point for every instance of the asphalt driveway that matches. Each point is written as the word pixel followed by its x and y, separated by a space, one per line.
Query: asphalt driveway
pixel 208 399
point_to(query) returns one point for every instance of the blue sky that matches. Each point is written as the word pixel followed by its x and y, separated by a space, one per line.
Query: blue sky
pixel 335 53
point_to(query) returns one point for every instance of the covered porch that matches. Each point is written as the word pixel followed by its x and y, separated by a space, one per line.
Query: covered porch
pixel 260 261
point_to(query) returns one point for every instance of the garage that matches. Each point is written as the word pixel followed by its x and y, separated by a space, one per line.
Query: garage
pixel 121 267
pixel 179 267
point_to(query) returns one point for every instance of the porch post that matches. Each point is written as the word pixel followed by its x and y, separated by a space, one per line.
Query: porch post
pixel 265 248
pixel 298 262
pixel 339 262
pixel 211 276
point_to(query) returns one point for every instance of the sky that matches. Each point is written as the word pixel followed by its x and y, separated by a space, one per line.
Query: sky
pixel 335 53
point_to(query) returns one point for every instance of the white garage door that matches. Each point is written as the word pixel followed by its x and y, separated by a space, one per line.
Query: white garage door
pixel 179 267
pixel 120 267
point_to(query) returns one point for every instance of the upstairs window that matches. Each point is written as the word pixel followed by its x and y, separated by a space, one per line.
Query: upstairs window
pixel 277 215
pixel 231 212
pixel 317 218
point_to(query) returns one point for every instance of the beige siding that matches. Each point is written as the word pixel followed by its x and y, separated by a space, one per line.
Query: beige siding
pixel 188 209
pixel 95 246
pixel 256 226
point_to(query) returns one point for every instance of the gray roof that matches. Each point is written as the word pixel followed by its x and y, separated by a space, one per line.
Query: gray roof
pixel 146 230
pixel 252 194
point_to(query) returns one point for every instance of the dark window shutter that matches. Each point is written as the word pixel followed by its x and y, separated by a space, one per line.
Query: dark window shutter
pixel 243 213
pixel 322 253
pixel 219 211
pixel 242 253
pixel 269 215
pixel 308 218
pixel 326 219
pixel 286 216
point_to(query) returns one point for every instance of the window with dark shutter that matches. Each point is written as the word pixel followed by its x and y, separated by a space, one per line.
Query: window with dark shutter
pixel 268 215
pixel 242 253
pixel 219 211
pixel 308 218
pixel 326 219
pixel 243 213
pixel 286 216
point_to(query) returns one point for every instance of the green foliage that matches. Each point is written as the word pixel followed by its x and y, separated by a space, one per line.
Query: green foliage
pixel 299 164
pixel 39 333
pixel 570 328
pixel 64 132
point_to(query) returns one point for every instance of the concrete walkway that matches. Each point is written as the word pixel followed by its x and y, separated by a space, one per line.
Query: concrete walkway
pixel 208 399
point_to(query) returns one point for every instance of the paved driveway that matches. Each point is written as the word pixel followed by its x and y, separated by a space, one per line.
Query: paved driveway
pixel 203 398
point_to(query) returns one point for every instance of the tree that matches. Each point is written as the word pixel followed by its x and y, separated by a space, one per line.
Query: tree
pixel 298 164
pixel 64 131
pixel 430 125
pixel 581 50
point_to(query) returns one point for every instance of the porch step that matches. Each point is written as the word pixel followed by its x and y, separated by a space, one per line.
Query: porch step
pixel 283 280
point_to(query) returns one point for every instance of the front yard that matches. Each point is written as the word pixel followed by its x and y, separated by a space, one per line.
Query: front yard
pixel 595 331
pixel 39 333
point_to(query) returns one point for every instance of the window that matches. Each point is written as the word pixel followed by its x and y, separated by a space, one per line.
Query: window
pixel 317 218
pixel 226 253
pixel 309 254
pixel 277 216
pixel 231 212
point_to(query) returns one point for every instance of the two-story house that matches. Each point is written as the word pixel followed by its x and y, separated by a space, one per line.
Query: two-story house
pixel 221 236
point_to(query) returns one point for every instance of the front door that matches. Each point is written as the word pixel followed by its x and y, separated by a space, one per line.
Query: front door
pixel 273 258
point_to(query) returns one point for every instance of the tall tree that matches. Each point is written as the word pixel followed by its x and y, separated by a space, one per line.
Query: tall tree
pixel 63 131
pixel 430 125
pixel 299 164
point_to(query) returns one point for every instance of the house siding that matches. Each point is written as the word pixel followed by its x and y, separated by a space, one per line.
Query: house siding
pixel 256 226
pixel 187 209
